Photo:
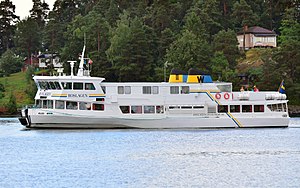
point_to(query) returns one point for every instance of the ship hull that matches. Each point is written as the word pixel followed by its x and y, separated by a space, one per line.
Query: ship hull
pixel 164 122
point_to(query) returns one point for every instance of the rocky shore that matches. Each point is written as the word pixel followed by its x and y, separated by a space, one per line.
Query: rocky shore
pixel 294 110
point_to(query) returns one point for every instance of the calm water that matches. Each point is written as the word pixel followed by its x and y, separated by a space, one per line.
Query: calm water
pixel 149 158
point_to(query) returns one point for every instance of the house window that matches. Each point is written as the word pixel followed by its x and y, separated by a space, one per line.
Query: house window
pixel 174 90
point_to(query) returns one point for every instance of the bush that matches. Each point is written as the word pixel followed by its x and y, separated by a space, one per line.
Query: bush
pixel 11 106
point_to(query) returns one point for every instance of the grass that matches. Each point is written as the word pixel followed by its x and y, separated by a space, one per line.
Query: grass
pixel 17 84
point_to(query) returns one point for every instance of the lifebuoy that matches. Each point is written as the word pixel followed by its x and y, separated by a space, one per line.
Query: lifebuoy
pixel 218 95
pixel 226 96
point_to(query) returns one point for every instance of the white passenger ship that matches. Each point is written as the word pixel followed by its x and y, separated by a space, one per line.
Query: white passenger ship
pixel 190 100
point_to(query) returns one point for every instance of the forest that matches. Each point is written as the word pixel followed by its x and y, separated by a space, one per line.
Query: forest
pixel 133 40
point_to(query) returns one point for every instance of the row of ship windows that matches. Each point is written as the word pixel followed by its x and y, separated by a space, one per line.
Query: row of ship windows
pixel 155 90
pixel 281 107
pixel 69 105
pixel 139 109
pixel 121 89
pixel 66 86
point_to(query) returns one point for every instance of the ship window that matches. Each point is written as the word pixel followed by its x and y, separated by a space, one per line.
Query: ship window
pixel 136 109
pixel 174 107
pixel 159 109
pixel 78 86
pixel 247 108
pixel 103 89
pixel 89 86
pixel 174 90
pixel 127 90
pixel 211 109
pixel 185 90
pixel 59 104
pixel 52 85
pixel 222 108
pixel 146 89
pixel 67 85
pixel 43 85
pixel 259 108
pixel 84 106
pixel 57 85
pixel 284 107
pixel 186 107
pixel 155 90
pixel 44 103
pixel 120 89
pixel 198 107
pixel 234 108
pixel 38 103
pixel 98 107
pixel 125 109
pixel 71 105
pixel 50 104
pixel 149 109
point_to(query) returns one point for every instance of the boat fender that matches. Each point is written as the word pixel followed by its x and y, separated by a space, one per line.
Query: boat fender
pixel 226 96
pixel 218 95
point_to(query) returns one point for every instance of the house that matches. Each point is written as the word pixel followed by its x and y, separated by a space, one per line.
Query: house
pixel 46 60
pixel 256 37
pixel 33 61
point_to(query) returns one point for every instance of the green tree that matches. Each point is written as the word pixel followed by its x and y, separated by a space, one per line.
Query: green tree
pixel 130 52
pixel 28 39
pixel 289 53
pixel 11 105
pixel 189 51
pixel 8 19
pixel 226 42
pixel 244 16
pixel 220 67
pixel 9 63
pixel 39 12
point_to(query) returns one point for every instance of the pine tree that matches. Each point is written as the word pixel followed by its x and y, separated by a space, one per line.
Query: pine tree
pixel 39 12
pixel 8 19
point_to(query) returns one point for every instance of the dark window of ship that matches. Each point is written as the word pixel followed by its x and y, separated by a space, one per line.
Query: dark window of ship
pixel 222 108
pixel 125 109
pixel 98 107
pixel 89 86
pixel 174 90
pixel 247 108
pixel 235 108
pixel 259 108
pixel 78 86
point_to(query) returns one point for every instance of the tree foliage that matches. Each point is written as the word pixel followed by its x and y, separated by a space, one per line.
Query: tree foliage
pixel 8 19
pixel 9 63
